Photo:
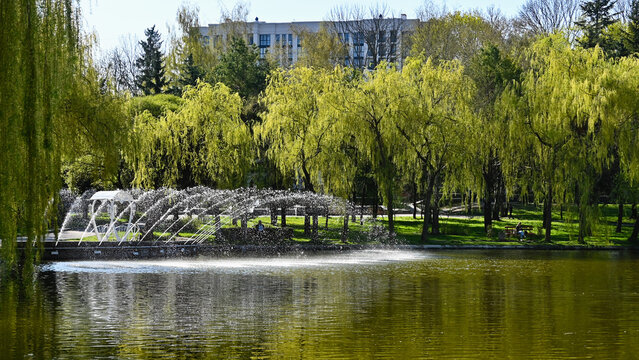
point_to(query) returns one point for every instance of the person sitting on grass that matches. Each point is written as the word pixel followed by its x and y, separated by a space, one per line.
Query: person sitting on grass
pixel 260 226
pixel 520 231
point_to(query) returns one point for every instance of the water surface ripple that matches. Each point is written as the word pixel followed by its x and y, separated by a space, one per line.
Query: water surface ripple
pixel 364 304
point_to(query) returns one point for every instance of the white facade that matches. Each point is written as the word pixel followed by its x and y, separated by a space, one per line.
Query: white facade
pixel 270 36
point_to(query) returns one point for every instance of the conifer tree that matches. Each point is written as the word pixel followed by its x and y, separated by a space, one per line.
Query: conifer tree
pixel 632 37
pixel 151 79
pixel 190 73
pixel 596 16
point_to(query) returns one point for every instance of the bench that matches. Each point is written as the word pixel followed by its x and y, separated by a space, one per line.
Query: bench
pixel 511 230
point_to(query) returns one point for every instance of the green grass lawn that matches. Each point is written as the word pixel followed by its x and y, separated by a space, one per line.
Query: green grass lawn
pixel 470 230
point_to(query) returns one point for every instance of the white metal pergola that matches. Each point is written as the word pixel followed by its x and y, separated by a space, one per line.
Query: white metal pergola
pixel 103 232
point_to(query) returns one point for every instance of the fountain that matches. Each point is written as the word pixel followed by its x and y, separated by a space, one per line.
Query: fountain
pixel 185 222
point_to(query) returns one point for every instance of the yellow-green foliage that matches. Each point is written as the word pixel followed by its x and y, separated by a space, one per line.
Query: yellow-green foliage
pixel 455 36
pixel 321 49
pixel 204 137
pixel 299 138
pixel 622 110
pixel 158 105
pixel 432 116
pixel 559 114
pixel 51 106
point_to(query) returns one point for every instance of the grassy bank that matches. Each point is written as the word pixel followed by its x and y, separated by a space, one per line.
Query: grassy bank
pixel 469 230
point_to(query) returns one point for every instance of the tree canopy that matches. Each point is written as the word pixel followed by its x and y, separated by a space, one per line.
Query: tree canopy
pixel 203 142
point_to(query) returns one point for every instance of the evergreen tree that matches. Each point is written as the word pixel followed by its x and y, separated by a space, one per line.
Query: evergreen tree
pixel 596 16
pixel 151 78
pixel 241 69
pixel 189 72
pixel 632 37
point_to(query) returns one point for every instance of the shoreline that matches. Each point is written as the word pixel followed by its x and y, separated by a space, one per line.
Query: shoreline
pixel 75 251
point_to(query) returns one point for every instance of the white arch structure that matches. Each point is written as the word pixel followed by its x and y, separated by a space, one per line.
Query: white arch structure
pixel 103 232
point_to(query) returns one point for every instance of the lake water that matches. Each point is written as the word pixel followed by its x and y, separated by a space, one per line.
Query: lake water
pixel 364 304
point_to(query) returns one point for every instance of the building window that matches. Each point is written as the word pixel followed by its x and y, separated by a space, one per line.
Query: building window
pixel 358 39
pixel 277 38
pixel 263 52
pixel 345 38
pixel 299 42
pixel 265 40
pixel 250 39
pixel 290 40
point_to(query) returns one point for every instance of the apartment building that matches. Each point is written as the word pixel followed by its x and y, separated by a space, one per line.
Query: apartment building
pixel 369 41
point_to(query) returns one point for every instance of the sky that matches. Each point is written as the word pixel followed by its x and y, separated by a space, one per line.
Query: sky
pixel 114 20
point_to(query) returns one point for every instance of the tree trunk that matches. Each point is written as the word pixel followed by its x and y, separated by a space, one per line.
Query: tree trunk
pixel 391 214
pixel 85 209
pixel 283 215
pixel 428 195
pixel 307 224
pixel 274 216
pixel 361 208
pixel 488 202
pixel 581 238
pixel 504 200
pixel 469 209
pixel 244 226
pixel 308 184
pixel 619 217
pixel 437 198
pixel 376 206
pixel 176 213
pixel 353 215
pixel 635 232
pixel 414 199
pixel 345 229
pixel 327 216
pixel 315 227
pixel 435 225
pixel 633 211
pixel 548 214
pixel 498 202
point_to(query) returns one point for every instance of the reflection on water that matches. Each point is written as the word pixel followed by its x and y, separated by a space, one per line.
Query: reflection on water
pixel 383 304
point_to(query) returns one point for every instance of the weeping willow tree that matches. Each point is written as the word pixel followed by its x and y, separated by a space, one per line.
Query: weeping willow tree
pixel 300 138
pixel 491 72
pixel 431 119
pixel 45 84
pixel 365 108
pixel 623 109
pixel 204 142
pixel 559 118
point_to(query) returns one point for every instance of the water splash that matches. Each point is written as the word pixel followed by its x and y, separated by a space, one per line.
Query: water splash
pixel 165 208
